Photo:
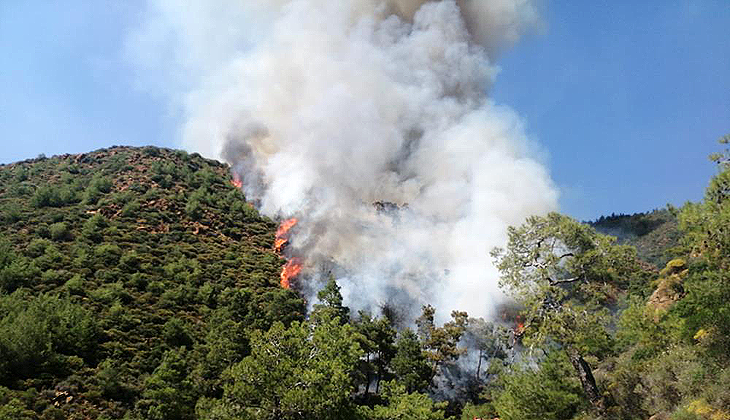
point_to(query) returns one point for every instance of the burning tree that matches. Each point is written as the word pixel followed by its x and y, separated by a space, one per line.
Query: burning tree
pixel 566 275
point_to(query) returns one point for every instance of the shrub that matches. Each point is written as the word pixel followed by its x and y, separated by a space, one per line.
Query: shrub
pixel 131 209
pixel 34 332
pixel 11 213
pixel 16 410
pixel 194 208
pixel 107 254
pixel 46 196
pixel 94 227
pixel 17 273
pixel 59 232
pixel 175 334
pixel 37 247
pixel 98 186
pixel 110 378
pixel 75 286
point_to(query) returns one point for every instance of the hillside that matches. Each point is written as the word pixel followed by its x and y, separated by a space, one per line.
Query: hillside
pixel 118 263
pixel 138 283
pixel 654 233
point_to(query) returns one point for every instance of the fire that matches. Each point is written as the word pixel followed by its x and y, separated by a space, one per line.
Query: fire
pixel 520 328
pixel 294 265
pixel 285 226
pixel 236 181
pixel 290 270
pixel 282 233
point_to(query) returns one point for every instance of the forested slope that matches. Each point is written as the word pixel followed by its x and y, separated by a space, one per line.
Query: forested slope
pixel 114 261
pixel 137 283
pixel 654 234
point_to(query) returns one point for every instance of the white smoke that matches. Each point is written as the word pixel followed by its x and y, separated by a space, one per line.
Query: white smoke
pixel 326 107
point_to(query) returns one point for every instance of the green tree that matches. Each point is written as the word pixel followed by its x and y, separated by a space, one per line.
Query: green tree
pixel 168 393
pixel 330 305
pixel 15 270
pixel 378 343
pixel 565 274
pixel 441 343
pixel 403 405
pixel 491 341
pixel 545 393
pixel 303 371
pixel 15 410
pixel 706 226
pixel 36 333
pixel 46 196
pixel 410 364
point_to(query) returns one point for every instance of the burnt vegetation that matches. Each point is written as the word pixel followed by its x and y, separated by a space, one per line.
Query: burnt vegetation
pixel 138 283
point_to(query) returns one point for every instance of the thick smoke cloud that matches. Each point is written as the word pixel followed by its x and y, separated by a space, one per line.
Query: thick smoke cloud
pixel 325 108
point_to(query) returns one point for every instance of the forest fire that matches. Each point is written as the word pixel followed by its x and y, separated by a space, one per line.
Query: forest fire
pixel 236 181
pixel 282 237
pixel 290 270
pixel 510 314
pixel 293 266
pixel 520 328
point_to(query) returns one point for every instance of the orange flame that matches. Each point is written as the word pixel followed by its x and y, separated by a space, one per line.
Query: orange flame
pixel 236 181
pixel 290 270
pixel 281 233
pixel 520 328
pixel 279 243
pixel 285 226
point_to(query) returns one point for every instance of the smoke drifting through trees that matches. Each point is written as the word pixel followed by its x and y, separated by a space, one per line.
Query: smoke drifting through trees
pixel 324 108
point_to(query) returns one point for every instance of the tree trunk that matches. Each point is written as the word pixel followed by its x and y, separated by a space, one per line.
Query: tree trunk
pixel 367 376
pixel 587 381
pixel 479 365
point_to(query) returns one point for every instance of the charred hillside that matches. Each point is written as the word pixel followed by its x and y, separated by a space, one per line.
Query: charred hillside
pixel 122 267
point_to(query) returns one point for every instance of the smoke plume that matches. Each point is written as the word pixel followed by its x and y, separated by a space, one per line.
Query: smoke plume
pixel 327 107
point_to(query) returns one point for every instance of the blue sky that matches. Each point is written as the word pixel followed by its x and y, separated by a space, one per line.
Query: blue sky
pixel 65 85
pixel 627 98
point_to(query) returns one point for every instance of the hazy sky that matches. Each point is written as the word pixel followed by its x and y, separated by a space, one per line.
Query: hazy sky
pixel 627 100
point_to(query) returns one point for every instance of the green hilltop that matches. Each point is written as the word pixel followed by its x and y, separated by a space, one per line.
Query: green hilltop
pixel 654 234
pixel 111 259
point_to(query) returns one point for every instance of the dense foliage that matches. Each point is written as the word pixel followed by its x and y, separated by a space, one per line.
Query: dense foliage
pixel 129 278
pixel 653 343
pixel 138 283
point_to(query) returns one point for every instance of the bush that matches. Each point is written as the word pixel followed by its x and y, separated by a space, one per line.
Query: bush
pixel 16 410
pixel 110 293
pixel 33 333
pixel 37 247
pixel 168 393
pixel 11 213
pixel 59 232
pixel 15 271
pixel 107 254
pixel 94 227
pixel 46 196
pixel 175 334
pixel 110 378
pixel 194 208
pixel 75 286
pixel 131 209
pixel 97 187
